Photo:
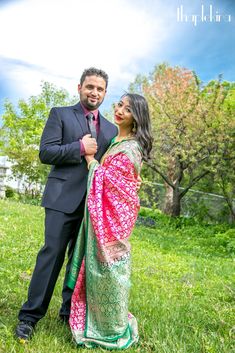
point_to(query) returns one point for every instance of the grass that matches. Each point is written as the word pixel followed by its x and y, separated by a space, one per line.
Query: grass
pixel 183 286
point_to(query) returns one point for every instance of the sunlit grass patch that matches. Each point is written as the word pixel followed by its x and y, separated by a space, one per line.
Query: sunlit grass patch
pixel 183 287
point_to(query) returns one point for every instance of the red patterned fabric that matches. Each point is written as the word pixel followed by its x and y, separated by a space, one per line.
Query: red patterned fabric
pixel 100 268
pixel 113 202
pixel 77 316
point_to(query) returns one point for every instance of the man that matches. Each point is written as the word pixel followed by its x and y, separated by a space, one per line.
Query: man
pixel 65 140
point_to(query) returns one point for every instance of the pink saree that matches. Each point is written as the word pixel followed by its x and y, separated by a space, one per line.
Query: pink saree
pixel 100 272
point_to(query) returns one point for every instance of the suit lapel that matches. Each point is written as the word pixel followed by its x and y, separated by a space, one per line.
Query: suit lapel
pixel 101 136
pixel 102 140
pixel 79 114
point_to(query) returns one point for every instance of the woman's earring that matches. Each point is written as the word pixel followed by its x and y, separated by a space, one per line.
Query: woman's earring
pixel 134 128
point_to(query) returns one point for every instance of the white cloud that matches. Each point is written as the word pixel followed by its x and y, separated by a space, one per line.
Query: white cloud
pixel 65 36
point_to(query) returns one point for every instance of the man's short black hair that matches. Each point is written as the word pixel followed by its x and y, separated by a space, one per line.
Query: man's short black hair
pixel 92 71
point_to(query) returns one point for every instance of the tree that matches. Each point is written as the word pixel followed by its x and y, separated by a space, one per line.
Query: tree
pixel 21 131
pixel 192 128
pixel 225 176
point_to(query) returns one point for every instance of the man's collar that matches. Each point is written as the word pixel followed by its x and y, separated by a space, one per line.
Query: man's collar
pixel 86 111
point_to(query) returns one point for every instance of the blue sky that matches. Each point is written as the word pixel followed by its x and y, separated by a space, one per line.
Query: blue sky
pixel 56 40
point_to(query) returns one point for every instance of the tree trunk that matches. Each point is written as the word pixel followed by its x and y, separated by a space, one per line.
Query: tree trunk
pixel 172 204
pixel 231 208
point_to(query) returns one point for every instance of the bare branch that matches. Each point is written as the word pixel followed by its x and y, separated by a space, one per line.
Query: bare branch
pixel 164 177
pixel 194 181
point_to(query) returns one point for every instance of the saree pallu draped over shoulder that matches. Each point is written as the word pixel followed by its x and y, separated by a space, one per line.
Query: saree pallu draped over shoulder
pixel 100 271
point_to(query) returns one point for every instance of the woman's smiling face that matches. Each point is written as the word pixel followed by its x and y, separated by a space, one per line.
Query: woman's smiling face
pixel 123 116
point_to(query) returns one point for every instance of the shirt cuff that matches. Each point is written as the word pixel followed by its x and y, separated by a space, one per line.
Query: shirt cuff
pixel 82 148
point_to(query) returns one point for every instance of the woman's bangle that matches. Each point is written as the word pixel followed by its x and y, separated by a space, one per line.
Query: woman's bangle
pixel 89 164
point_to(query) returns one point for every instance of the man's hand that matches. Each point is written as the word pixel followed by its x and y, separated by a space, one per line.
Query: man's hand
pixel 139 181
pixel 89 144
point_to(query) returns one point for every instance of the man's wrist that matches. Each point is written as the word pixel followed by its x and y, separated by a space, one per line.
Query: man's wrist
pixel 82 148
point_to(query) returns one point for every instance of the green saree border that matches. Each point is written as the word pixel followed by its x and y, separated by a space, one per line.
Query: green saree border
pixel 128 336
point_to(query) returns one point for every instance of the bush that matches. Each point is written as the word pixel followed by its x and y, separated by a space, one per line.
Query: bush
pixel 25 198
pixel 227 240
pixel 9 192
pixel 218 238
pixel 28 199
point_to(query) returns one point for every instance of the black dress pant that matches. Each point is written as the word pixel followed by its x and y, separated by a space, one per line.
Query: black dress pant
pixel 61 231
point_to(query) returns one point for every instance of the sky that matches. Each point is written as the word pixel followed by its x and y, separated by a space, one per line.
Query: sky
pixel 55 40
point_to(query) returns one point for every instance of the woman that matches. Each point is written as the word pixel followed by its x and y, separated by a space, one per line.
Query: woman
pixel 100 273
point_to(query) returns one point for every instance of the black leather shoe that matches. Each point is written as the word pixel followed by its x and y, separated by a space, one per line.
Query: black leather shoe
pixel 24 330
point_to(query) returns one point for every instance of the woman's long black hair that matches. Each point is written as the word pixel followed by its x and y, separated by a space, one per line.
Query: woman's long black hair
pixel 142 125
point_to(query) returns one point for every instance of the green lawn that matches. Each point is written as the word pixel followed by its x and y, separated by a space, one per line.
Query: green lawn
pixel 183 286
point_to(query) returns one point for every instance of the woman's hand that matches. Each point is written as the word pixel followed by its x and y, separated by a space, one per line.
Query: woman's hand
pixel 139 182
pixel 89 157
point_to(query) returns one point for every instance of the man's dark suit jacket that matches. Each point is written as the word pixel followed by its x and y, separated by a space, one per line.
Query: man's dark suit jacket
pixel 60 147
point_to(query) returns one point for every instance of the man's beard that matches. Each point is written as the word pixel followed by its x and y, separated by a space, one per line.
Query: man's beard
pixel 92 106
